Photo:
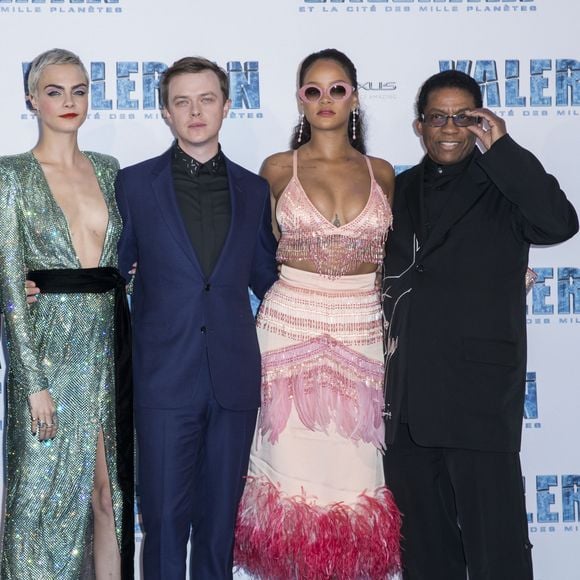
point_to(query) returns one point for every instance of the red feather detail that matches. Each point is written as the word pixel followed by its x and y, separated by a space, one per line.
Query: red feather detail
pixel 280 537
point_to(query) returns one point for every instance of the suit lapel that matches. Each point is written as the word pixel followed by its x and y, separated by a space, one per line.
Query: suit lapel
pixel 236 198
pixel 162 184
pixel 467 189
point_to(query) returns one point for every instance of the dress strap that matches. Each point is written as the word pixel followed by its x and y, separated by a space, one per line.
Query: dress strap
pixel 295 164
pixel 370 168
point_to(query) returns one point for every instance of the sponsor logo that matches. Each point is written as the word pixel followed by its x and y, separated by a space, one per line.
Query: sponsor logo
pixel 138 516
pixel 555 297
pixel 531 403
pixel 556 504
pixel 378 90
pixel 129 90
pixel 61 6
pixel 401 6
pixel 244 89
pixel 540 87
pixel 254 302
pixel 400 168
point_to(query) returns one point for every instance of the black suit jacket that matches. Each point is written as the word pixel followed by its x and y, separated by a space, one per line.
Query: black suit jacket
pixel 455 302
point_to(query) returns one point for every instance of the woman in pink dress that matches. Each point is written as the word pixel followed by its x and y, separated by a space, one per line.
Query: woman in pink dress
pixel 315 505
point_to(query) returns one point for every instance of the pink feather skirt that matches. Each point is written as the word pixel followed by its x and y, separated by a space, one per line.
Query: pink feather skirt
pixel 315 505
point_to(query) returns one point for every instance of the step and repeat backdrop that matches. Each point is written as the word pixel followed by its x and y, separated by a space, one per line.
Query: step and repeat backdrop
pixel 524 53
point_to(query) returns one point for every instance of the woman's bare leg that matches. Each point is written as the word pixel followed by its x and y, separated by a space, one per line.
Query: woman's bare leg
pixel 106 549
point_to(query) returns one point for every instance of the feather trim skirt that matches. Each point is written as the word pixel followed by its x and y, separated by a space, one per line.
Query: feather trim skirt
pixel 315 505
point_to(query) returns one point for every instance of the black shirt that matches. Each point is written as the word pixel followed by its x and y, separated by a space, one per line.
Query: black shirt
pixel 203 196
pixel 437 185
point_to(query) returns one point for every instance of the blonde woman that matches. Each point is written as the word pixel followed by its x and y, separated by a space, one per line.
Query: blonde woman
pixel 69 429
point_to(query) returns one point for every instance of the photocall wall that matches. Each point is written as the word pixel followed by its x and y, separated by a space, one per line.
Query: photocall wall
pixel 524 53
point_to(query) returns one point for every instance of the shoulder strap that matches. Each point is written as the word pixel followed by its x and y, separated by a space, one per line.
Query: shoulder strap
pixel 370 168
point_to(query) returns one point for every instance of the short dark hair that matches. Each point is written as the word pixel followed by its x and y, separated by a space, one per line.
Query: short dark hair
pixel 192 64
pixel 445 80
pixel 350 70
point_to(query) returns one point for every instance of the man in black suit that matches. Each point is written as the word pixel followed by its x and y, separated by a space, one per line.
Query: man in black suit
pixel 454 298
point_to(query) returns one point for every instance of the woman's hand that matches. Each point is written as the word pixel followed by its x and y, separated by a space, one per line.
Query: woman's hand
pixel 32 291
pixel 42 415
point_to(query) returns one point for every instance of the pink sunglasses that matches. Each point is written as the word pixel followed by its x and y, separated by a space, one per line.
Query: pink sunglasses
pixel 312 93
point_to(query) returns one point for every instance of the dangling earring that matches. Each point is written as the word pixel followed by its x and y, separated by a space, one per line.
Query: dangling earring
pixel 354 114
pixel 301 128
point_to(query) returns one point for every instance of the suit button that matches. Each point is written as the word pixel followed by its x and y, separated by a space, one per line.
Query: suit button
pixel 420 268
pixel 203 329
pixel 207 287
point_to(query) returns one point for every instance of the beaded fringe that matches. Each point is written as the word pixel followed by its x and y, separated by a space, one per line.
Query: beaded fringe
pixel 336 251
pixel 334 255
pixel 327 383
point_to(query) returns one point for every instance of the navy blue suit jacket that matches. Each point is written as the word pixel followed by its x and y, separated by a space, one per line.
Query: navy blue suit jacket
pixel 179 314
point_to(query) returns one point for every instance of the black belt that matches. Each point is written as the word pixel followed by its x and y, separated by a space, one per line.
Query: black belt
pixel 97 281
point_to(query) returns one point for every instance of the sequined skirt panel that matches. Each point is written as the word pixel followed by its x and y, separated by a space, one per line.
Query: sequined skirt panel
pixel 50 484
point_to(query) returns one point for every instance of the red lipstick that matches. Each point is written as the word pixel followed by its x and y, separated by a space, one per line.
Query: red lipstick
pixel 69 115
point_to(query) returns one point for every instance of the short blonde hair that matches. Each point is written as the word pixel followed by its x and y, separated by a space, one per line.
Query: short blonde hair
pixel 52 56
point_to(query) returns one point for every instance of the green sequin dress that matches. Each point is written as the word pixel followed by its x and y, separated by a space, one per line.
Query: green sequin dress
pixel 64 343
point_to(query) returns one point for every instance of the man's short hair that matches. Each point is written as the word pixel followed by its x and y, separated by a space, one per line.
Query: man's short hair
pixel 192 64
pixel 446 80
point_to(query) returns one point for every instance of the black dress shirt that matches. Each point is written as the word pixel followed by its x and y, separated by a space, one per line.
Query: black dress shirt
pixel 203 196
pixel 438 183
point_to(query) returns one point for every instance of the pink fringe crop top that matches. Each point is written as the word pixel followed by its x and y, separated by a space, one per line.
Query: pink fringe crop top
pixel 335 250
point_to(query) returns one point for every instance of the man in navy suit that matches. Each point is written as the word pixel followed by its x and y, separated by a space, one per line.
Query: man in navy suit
pixel 199 227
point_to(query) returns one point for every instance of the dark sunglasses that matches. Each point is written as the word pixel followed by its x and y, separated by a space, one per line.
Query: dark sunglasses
pixel 440 120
